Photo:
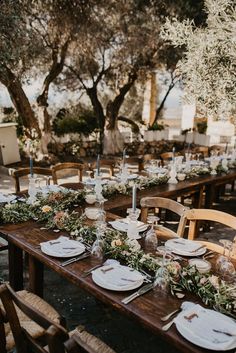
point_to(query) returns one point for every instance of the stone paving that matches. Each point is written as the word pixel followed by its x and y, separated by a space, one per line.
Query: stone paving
pixel 121 333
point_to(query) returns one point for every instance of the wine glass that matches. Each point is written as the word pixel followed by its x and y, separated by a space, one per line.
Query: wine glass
pixel 151 241
pixel 162 276
pixel 97 247
pixel 223 264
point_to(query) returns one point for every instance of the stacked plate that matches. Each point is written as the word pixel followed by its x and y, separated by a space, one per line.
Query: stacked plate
pixel 207 328
pixel 51 188
pixel 185 247
pixel 62 247
pixel 122 225
pixel 117 277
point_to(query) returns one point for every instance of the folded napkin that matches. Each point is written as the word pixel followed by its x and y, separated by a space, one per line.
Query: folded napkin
pixel 122 225
pixel 207 328
pixel 183 245
pixel 62 246
pixel 117 276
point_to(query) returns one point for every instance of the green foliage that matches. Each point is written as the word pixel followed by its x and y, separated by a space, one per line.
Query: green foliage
pixel 156 127
pixel 202 127
pixel 82 122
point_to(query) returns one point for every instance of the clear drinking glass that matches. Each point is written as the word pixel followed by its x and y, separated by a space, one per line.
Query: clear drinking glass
pixel 162 277
pixel 97 247
pixel 223 263
pixel 151 240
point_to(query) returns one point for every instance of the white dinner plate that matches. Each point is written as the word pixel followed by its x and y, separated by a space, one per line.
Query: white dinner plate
pixel 122 225
pixel 185 247
pixel 51 248
pixel 7 198
pixel 200 329
pixel 132 176
pixel 118 278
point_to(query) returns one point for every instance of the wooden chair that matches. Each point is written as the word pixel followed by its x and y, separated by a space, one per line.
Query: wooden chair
pixel 167 156
pixel 83 342
pixel 195 215
pixel 54 333
pixel 134 162
pixel 167 204
pixel 105 164
pixel 63 167
pixel 203 150
pixel 217 149
pixel 23 172
pixel 25 320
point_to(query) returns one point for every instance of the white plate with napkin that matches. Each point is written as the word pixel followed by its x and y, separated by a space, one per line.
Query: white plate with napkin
pixel 207 328
pixel 62 247
pixel 185 247
pixel 117 277
pixel 6 198
pixel 122 225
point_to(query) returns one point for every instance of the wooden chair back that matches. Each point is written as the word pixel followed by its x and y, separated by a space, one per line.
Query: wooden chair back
pixel 55 334
pixel 195 215
pixel 217 148
pixel 164 203
pixel 203 150
pixel 2 332
pixel 67 166
pixel 17 174
pixel 216 248
pixel 136 161
pixel 105 164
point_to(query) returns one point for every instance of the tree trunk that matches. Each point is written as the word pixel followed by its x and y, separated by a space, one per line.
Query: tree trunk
pixel 99 113
pixel 113 139
pixel 20 101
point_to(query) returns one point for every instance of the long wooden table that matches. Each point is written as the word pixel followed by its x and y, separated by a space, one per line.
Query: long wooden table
pixel 147 310
pixel 206 183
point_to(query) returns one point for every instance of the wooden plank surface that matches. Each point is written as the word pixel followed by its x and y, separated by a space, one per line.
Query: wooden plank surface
pixel 147 310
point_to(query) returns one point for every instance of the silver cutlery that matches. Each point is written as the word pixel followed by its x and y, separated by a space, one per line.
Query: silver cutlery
pixel 224 332
pixel 74 259
pixel 137 294
pixel 167 326
pixel 168 316
pixel 86 273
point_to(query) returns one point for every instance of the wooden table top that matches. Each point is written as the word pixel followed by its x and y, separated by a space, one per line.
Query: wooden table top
pixel 147 309
pixel 120 202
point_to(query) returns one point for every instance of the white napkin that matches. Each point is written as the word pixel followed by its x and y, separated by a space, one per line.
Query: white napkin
pixel 183 245
pixel 122 224
pixel 117 275
pixel 201 328
pixel 62 246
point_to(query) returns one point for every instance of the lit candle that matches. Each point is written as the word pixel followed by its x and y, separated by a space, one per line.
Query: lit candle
pixel 134 197
pixel 98 164
pixel 188 148
pixel 31 167
pixel 173 153
pixel 226 147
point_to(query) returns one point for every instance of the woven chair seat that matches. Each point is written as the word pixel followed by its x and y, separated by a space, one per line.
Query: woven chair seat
pixel 34 329
pixel 93 342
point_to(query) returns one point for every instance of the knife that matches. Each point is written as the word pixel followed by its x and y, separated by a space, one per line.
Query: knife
pixel 74 259
pixel 141 291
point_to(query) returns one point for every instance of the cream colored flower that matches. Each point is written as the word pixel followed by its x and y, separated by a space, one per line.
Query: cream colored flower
pixel 46 209
pixel 116 242
pixel 214 280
